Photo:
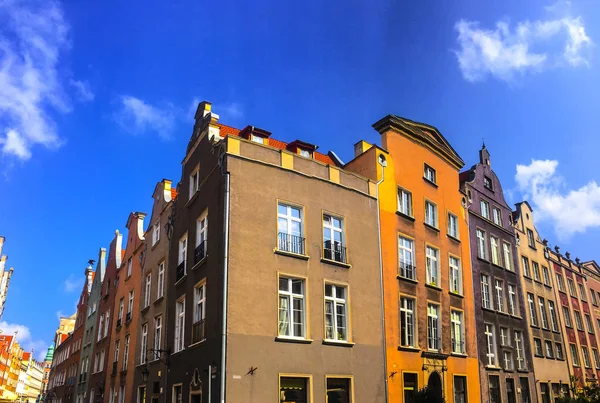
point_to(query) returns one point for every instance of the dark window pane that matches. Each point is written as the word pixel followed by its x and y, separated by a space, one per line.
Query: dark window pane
pixel 293 390
pixel 410 387
pixel 495 389
pixel 460 389
pixel 510 390
pixel 338 390
pixel 525 390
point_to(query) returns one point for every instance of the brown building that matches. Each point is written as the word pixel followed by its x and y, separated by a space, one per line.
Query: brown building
pixel 149 377
pixel 280 298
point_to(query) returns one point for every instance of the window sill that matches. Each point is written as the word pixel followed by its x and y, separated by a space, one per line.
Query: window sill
pixel 181 280
pixel 291 254
pixel 538 356
pixel 430 182
pixel 284 339
pixel 493 368
pixel 483 308
pixel 409 349
pixel 338 343
pixel 453 238
pixel 405 216
pixel 497 266
pixel 523 371
pixel 538 281
pixel 431 227
pixel 532 247
pixel 434 286
pixel 178 352
pixel 455 294
pixel 191 200
pixel 534 326
pixel 145 309
pixel 198 343
pixel 407 279
pixel 550 358
pixel 158 299
pixel 200 263
pixel 502 313
pixel 154 245
pixel 482 259
pixel 459 355
pixel 336 263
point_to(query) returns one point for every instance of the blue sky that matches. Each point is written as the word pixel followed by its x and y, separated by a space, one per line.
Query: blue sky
pixel 97 98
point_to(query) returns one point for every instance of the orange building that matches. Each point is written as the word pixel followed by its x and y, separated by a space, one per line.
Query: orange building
pixel 427 282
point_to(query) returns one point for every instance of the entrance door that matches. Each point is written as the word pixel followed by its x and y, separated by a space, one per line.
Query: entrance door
pixel 434 386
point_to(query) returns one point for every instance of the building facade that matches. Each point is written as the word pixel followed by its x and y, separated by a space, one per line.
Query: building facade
pixel 11 355
pixel 125 325
pixel 429 313
pixel 280 298
pixel 505 359
pixel 544 327
pixel 30 379
pixel 5 276
pixel 153 301
pixel 47 369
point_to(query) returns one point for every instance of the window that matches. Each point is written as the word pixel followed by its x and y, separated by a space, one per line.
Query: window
pixel 486 301
pixel 148 290
pixel 291 307
pixel 129 266
pixel 407 322
pixel 490 344
pixel 194 182
pixel 525 396
pixel 304 153
pixel 144 343
pixel 432 266
pixel 410 385
pixel 431 217
pixel 487 183
pixel 141 394
pixel 456 317
pixel 289 229
pixel 538 350
pixel 455 275
pixel 559 351
pixel 100 323
pixel 125 352
pixel 494 244
pixel 588 323
pixel 520 350
pixel 543 315
pixel 510 391
pixel 507 357
pixel 572 288
pixel 433 327
pixel 532 311
pixel 336 312
pixel 497 216
pixel 177 394
pixel 525 263
pixel 560 282
pixel 130 305
pixel 338 390
pixel 179 323
pixel 182 257
pixel 574 354
pixel 504 336
pixel 530 238
pixel 460 389
pixel 494 383
pixel 155 233
pixel 201 237
pixel 578 321
pixel 106 323
pixel 160 286
pixel 257 139
pixel 199 313
pixel 485 209
pixel 157 334
pixel 405 202
pixel 544 392
pixel 567 317
pixel 512 300
pixel 553 319
pixel 549 348
pixel 546 276
pixel 499 286
pixel 333 238
pixel 596 358
pixel 406 258
pixel 507 257
pixel 581 292
pixel 593 295
pixel 586 357
pixel 536 271
pixel 452 225
pixel 293 390
pixel 429 173
pixel 481 250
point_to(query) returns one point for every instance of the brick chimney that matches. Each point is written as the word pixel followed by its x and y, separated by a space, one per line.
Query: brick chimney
pixel 361 147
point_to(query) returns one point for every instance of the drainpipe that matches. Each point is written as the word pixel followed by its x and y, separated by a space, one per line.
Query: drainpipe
pixel 381 160
pixel 225 278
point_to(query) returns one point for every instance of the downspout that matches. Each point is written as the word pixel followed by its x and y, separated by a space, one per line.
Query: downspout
pixel 225 279
pixel 383 164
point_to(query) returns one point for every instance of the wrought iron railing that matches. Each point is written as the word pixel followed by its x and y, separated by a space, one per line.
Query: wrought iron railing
pixel 180 271
pixel 290 243
pixel 334 251
pixel 198 331
pixel 200 252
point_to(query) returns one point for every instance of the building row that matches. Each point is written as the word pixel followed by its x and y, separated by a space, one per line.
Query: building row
pixel 5 276
pixel 324 281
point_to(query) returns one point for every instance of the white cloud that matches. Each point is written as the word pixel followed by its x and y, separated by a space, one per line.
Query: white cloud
pixel 25 339
pixel 33 33
pixel 72 283
pixel 138 117
pixel 84 92
pixel 570 211
pixel 232 110
pixel 529 47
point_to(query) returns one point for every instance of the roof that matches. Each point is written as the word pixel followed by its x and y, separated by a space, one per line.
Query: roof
pixel 26 356
pixel 173 193
pixel 281 145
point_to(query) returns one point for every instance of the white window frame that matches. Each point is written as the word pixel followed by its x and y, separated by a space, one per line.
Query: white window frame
pixel 407 314
pixel 553 318
pixel 144 343
pixel 560 282
pixel 202 230
pixel 504 336
pixel 129 267
pixel 508 360
pixel 519 348
pixel 571 285
pixel 578 320
pixel 335 302
pixel 455 275
pixel 194 182
pixel 490 335
pixel 458 331
pixel 481 244
pixel 291 297
pixel 106 323
pixel 574 355
pixel 588 323
pixel 499 288
pixel 497 216
pixel 199 313
pixel 532 309
pixel 179 343
pixel 543 315
pixel 546 276
pixel 330 230
pixel 182 252
pixel 405 202
pixel 495 250
pixel 507 254
pixel 585 353
pixel 406 258
pixel 160 283
pixel 155 233
pixel 429 173
pixel 486 296
pixel 485 209
pixel 157 335
pixel 431 214
pixel 525 264
pixel 126 351
pixel 148 290
pixel 434 330
pixel 512 300
pixel 130 302
pixel 432 262
pixel 453 225
pixel 567 316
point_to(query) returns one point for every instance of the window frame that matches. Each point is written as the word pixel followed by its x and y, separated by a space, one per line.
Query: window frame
pixel 405 268
pixel 289 233
pixel 407 312
pixel 292 296
pixel 455 274
pixel 401 200
pixel 160 282
pixel 481 237
pixel 456 233
pixel 486 290
pixel 434 333
pixel 432 263
pixel 457 325
pixel 491 349
pixel 434 211
pixel 335 302
pixel 179 339
pixel 427 170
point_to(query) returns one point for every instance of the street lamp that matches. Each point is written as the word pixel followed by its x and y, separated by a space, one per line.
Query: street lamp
pixel 145 374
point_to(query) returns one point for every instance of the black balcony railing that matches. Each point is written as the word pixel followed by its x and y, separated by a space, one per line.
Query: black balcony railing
pixel 290 243
pixel 114 368
pixel 198 331
pixel 335 251
pixel 200 252
pixel 180 271
pixel 119 323
pixel 128 317
pixel 408 270
pixel 458 346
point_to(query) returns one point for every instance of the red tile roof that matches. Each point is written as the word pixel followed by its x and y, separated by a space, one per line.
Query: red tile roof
pixel 26 356
pixel 173 193
pixel 228 130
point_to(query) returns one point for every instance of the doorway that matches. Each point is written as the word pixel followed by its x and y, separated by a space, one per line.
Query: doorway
pixel 434 386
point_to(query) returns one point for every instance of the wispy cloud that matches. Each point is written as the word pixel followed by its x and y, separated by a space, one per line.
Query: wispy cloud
pixel 73 283
pixel 33 34
pixel 84 92
pixel 138 116
pixel 531 46
pixel 570 211
pixel 25 339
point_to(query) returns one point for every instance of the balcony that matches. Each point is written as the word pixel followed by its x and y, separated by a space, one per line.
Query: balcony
pixel 119 323
pixel 128 317
pixel 198 331
pixel 290 243
pixel 335 252
pixel 407 270
pixel 458 346
pixel 200 252
pixel 180 271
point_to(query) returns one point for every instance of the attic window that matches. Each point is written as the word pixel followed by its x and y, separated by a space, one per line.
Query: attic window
pixel 487 183
pixel 257 139
pixel 304 153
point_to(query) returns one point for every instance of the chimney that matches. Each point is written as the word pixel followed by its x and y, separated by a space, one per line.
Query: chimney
pixel 135 222
pixel 167 190
pixel 484 156
pixel 204 113
pixel 88 275
pixel 361 147
pixel 1 244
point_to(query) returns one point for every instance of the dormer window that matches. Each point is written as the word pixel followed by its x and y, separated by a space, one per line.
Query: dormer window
pixel 304 153
pixel 487 183
pixel 257 139
pixel 194 183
